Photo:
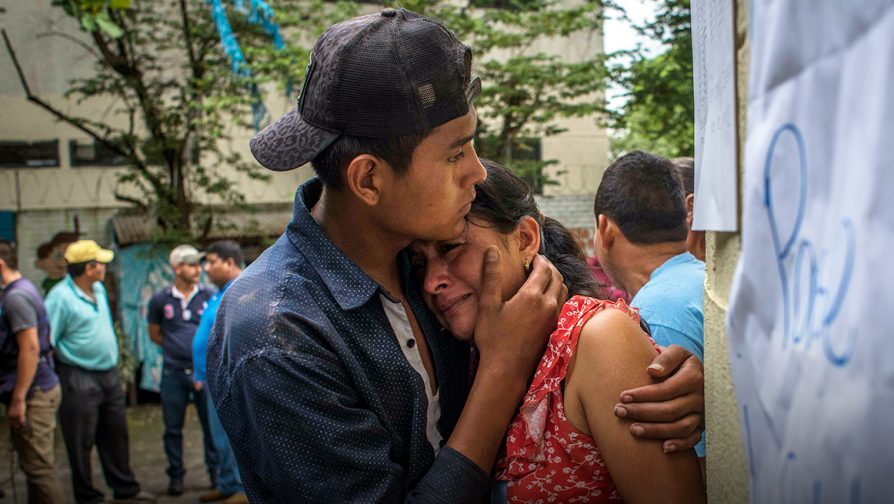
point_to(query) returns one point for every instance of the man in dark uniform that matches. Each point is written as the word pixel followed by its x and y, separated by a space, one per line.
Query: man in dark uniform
pixel 174 313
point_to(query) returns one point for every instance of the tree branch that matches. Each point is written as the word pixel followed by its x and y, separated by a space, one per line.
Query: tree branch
pixel 72 39
pixel 187 35
pixel 127 199
pixel 53 110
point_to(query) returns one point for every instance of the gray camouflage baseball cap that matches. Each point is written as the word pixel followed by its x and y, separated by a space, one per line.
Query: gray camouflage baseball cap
pixel 393 73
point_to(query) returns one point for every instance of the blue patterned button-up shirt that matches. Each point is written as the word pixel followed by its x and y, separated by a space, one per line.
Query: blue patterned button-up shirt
pixel 313 390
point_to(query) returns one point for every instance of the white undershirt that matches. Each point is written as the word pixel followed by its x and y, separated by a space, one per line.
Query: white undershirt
pixel 403 330
pixel 184 300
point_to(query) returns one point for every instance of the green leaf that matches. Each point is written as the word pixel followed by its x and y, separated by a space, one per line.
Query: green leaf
pixel 108 26
pixel 88 23
pixel 119 4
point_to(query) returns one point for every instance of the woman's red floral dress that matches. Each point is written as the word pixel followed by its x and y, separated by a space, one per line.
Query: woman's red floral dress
pixel 547 459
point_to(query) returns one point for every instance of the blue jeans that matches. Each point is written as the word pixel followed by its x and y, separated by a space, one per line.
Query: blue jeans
pixel 230 482
pixel 177 391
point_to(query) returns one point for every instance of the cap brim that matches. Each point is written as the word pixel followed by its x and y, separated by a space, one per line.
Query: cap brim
pixel 290 142
pixel 105 256
pixel 193 258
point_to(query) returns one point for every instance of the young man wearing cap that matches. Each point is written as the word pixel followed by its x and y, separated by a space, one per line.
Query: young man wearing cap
pixel 173 315
pixel 93 409
pixel 29 386
pixel 332 380
pixel 223 263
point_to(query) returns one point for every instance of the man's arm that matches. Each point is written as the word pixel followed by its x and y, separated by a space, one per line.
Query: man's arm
pixel 56 314
pixel 200 347
pixel 155 334
pixel 154 315
pixel 673 409
pixel 299 426
pixel 29 354
pixel 22 316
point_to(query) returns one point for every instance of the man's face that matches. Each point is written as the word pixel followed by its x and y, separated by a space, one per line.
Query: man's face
pixel 95 271
pixel 431 200
pixel 218 269
pixel 188 273
pixel 54 264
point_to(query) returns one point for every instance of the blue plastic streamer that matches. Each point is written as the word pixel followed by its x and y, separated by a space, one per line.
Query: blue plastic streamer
pixel 260 14
pixel 228 40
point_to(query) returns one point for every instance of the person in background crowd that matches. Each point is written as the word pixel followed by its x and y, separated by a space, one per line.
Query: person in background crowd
pixel 695 240
pixel 93 409
pixel 51 258
pixel 223 263
pixel 173 314
pixel 610 291
pixel 29 386
pixel 640 239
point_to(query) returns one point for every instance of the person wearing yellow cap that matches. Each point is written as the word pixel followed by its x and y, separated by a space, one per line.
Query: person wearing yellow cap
pixel 93 404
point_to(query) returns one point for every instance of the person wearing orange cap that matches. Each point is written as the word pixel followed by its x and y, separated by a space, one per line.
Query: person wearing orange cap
pixel 93 403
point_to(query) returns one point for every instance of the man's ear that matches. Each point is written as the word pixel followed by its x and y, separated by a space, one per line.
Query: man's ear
pixel 528 232
pixel 606 230
pixel 363 178
pixel 690 205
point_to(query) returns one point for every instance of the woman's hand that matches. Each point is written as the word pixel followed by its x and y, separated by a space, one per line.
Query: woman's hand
pixel 672 410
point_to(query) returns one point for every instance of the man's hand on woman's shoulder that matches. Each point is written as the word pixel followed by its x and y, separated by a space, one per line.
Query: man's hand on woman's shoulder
pixel 672 409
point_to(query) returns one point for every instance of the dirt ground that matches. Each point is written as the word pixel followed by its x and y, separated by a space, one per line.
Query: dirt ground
pixel 147 459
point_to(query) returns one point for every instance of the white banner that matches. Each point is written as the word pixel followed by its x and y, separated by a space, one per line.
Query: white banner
pixel 813 299
pixel 714 84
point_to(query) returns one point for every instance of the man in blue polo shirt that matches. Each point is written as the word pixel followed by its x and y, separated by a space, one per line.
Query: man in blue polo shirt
pixel 173 314
pixel 640 239
pixel 93 408
pixel 223 263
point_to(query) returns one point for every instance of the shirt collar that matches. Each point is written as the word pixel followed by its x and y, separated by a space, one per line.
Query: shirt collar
pixel 177 294
pixel 225 287
pixel 81 294
pixel 673 261
pixel 349 285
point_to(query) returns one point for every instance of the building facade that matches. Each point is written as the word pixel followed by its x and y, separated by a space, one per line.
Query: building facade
pixel 54 178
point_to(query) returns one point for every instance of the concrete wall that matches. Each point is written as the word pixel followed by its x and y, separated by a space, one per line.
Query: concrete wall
pixel 50 60
pixel 35 227
pixel 575 211
pixel 727 463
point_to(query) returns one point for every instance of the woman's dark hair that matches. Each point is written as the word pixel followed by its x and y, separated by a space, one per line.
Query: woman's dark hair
pixel 504 199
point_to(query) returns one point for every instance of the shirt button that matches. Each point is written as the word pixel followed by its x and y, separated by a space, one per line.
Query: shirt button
pixel 411 343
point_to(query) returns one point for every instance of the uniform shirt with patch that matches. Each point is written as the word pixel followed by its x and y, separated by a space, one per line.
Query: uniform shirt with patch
pixel 179 317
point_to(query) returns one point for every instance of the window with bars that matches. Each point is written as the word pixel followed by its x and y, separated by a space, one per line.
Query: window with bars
pixel 93 153
pixel 40 154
